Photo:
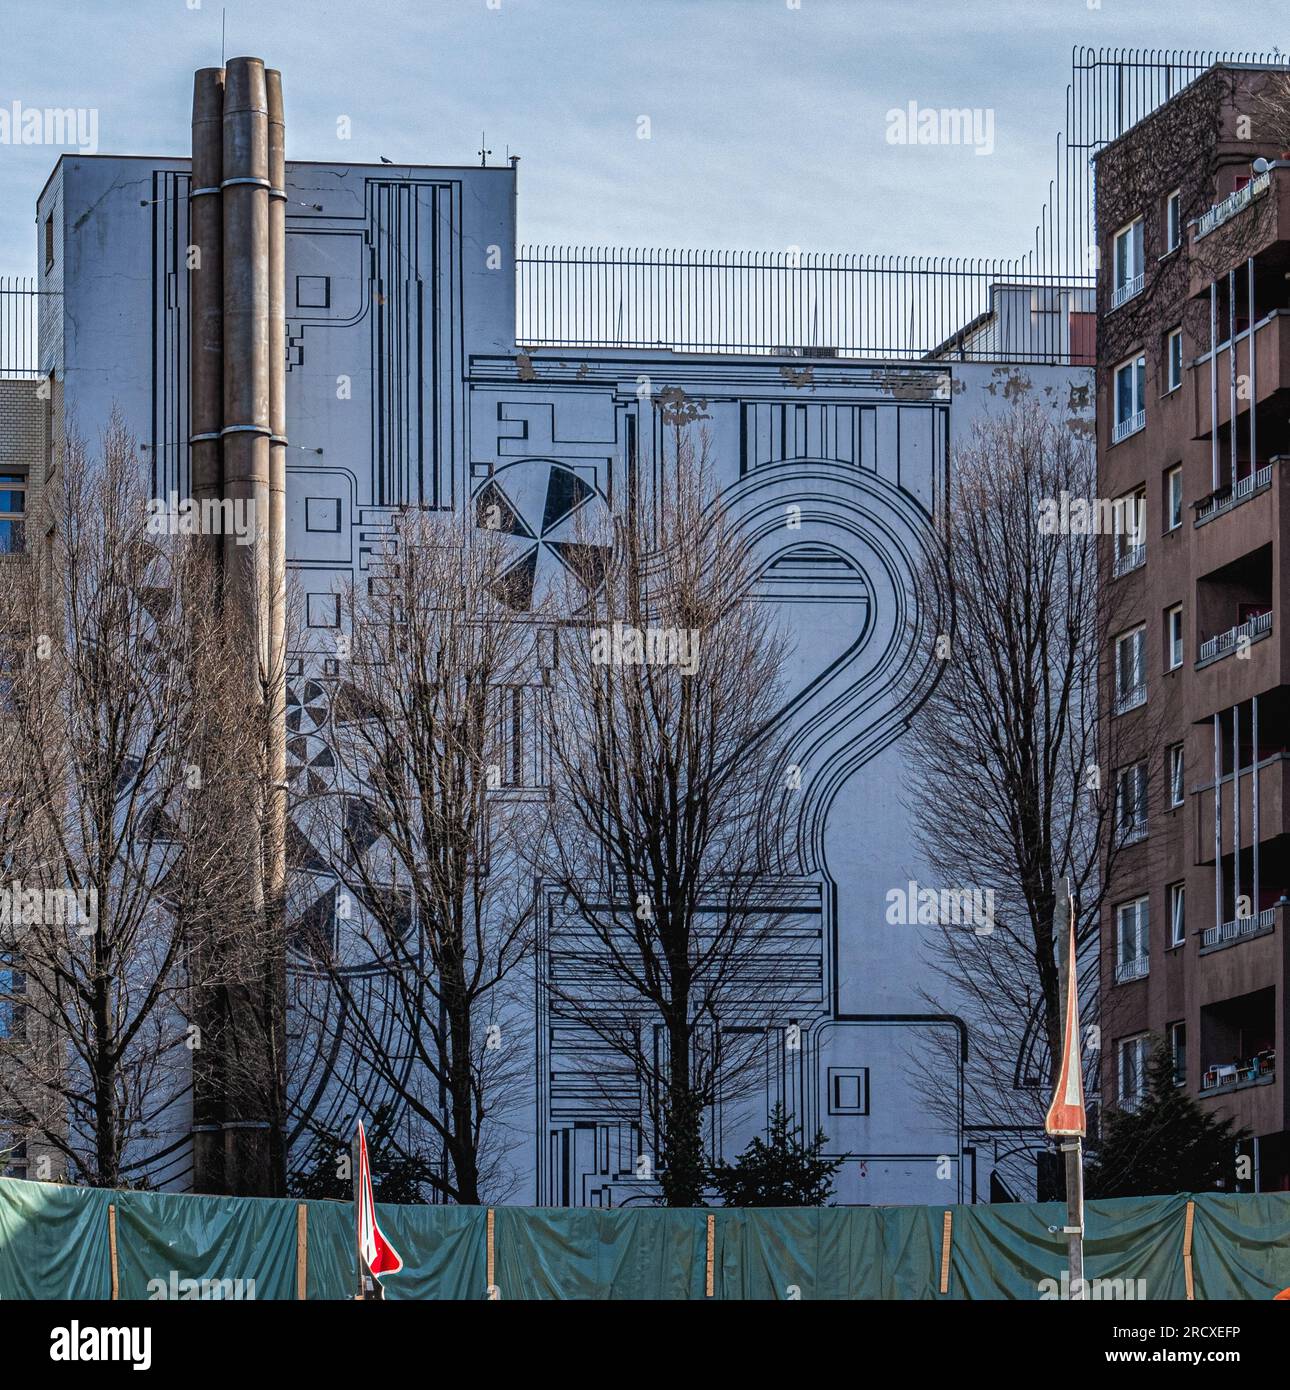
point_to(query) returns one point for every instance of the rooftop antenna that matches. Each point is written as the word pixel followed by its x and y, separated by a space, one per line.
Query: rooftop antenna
pixel 223 22
pixel 483 153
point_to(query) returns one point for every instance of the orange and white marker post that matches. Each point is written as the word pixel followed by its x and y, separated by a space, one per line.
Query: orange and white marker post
pixel 1066 1118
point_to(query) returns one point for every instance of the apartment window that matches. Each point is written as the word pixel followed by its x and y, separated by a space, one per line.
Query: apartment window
pixel 1178 1052
pixel 1174 637
pixel 1130 669
pixel 1128 518
pixel 1177 914
pixel 1131 939
pixel 1131 802
pixel 1128 263
pixel 1173 497
pixel 1130 397
pixel 1173 360
pixel 13 511
pixel 1174 763
pixel 1173 221
pixel 49 242
pixel 1133 1070
pixel 13 985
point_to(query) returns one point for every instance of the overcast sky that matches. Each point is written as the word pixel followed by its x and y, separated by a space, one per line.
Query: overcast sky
pixel 766 118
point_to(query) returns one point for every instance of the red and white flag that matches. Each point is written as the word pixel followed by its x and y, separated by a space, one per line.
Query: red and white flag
pixel 378 1254
pixel 1066 1113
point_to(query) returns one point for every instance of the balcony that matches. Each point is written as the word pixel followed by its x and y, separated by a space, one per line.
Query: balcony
pixel 1135 968
pixel 1234 202
pixel 1127 291
pixel 1131 558
pixel 1258 1070
pixel 1239 929
pixel 1243 634
pixel 1126 427
pixel 1131 699
pixel 1265 384
pixel 1245 488
pixel 1273 779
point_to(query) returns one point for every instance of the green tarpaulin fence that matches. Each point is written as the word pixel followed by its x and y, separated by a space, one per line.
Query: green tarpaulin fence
pixel 71 1242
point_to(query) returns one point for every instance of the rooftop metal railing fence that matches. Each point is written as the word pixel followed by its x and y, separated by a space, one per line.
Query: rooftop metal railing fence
pixel 906 308
pixel 19 323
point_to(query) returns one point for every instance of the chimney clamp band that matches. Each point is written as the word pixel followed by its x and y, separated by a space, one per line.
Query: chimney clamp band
pixel 199 192
pixel 258 183
pixel 244 429
pixel 203 438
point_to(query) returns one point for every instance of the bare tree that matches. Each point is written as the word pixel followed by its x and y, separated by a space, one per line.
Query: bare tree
pixel 1012 763
pixel 670 796
pixel 430 844
pixel 124 751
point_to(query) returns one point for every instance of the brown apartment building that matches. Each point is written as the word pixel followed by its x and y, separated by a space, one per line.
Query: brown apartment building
pixel 1193 225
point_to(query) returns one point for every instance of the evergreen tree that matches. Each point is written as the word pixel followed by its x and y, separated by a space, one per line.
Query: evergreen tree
pixel 1168 1144
pixel 780 1172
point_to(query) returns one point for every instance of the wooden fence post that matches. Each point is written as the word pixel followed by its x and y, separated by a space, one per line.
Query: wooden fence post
pixel 711 1256
pixel 116 1279
pixel 947 1228
pixel 1187 1270
pixel 302 1251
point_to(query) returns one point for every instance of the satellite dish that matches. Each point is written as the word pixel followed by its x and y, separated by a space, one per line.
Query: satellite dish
pixel 1261 165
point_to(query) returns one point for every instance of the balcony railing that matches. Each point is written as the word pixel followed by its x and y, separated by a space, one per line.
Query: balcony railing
pixel 1242 490
pixel 1131 699
pixel 1131 425
pixel 1136 968
pixel 1222 933
pixel 1123 293
pixel 1232 204
pixel 1247 1072
pixel 1213 648
pixel 1131 1104
pixel 1132 557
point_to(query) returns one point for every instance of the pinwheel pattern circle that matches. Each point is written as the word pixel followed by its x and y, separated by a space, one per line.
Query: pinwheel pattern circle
pixel 545 511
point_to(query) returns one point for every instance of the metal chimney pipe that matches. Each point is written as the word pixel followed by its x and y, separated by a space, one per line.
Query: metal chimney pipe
pixel 245 437
pixel 206 481
pixel 206 287
pixel 246 428
pixel 275 856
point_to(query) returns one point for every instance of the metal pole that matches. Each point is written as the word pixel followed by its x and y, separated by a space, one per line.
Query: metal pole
pixel 1075 1215
pixel 1073 1147
pixel 360 1289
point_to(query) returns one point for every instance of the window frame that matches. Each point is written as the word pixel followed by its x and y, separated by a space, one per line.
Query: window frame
pixel 1173 220
pixel 14 480
pixel 1173 514
pixel 13 1014
pixel 1172 383
pixel 1174 1031
pixel 1137 635
pixel 1126 422
pixel 1176 769
pixel 1177 897
pixel 1175 645
pixel 1134 774
pixel 1132 236
pixel 1141 1045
